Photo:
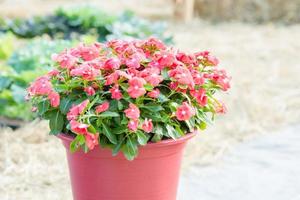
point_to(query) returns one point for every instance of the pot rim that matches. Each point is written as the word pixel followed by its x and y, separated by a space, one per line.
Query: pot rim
pixel 166 142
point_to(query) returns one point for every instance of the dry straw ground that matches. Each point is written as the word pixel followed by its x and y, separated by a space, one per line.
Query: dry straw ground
pixel 265 95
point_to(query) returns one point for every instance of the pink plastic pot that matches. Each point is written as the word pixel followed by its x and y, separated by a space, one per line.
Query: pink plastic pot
pixel 153 175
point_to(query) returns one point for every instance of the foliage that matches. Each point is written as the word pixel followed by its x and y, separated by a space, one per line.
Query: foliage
pixel 24 65
pixel 6 45
pixel 70 23
pixel 124 94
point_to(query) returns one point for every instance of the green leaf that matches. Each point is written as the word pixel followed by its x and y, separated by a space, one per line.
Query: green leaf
pixel 142 137
pixel 154 107
pixel 171 132
pixel 117 147
pixel 162 98
pixel 43 106
pixel 130 150
pixel 76 143
pixel 107 132
pixel 119 130
pixel 148 87
pixel 65 105
pixel 158 133
pixel 56 122
pixel 18 93
pixel 4 82
pixel 109 114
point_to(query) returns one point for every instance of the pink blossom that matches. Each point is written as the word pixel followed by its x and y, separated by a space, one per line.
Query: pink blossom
pixel 86 71
pixel 185 58
pixel 200 96
pixel 154 93
pixel 136 87
pixel 182 75
pixel 112 63
pixel 115 92
pixel 79 128
pixel 221 78
pixel 197 77
pixel 65 60
pixel 206 58
pixel 133 124
pixel 89 91
pixel 165 59
pixel 53 72
pixel 41 86
pixel 88 53
pixel 152 45
pixel 184 112
pixel 77 110
pixel 102 107
pixel 91 140
pixel 112 78
pixel 54 99
pixel 220 107
pixel 151 75
pixel 132 112
pixel 147 125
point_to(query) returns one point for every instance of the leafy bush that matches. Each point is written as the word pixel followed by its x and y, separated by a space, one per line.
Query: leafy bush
pixel 24 65
pixel 123 94
pixel 70 23
pixel 6 45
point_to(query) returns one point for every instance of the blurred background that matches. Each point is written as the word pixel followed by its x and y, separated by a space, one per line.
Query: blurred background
pixel 252 152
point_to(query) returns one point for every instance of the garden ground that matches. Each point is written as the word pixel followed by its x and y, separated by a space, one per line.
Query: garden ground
pixel 265 96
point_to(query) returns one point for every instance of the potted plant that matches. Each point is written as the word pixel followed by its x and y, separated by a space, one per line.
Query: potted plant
pixel 140 98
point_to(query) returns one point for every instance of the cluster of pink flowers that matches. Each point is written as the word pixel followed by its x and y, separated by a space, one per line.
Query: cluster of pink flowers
pixel 119 70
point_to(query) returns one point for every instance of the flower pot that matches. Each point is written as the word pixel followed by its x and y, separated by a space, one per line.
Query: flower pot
pixel 153 175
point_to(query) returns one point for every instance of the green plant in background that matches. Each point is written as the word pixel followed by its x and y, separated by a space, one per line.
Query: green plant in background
pixel 6 45
pixel 72 22
pixel 130 26
pixel 25 65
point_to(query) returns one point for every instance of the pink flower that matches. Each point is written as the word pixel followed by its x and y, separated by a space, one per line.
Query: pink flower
pixel 102 107
pixel 77 110
pixel 133 125
pixel 112 78
pixel 65 60
pixel 41 86
pixel 86 71
pixel 185 58
pixel 54 99
pixel 112 63
pixel 136 87
pixel 184 112
pixel 182 75
pixel 200 96
pixel 132 112
pixel 53 72
pixel 206 58
pixel 147 125
pixel 198 79
pixel 220 107
pixel 89 91
pixel 151 75
pixel 79 128
pixel 88 52
pixel 115 92
pixel 91 140
pixel 154 93
pixel 221 78
pixel 165 59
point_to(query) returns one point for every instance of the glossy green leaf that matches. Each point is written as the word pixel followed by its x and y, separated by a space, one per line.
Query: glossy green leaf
pixel 142 137
pixel 107 132
pixel 56 122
